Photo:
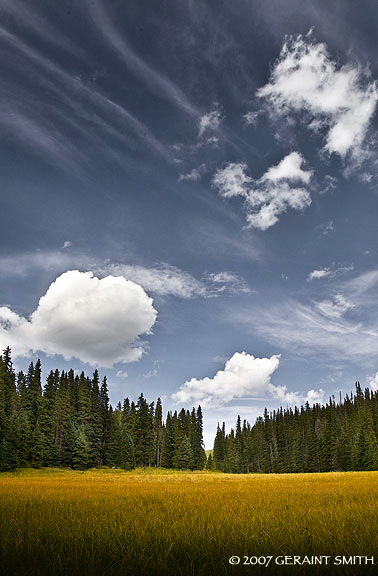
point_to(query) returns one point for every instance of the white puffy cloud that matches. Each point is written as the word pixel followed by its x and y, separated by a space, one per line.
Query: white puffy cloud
pixel 336 101
pixel 243 375
pixel 290 168
pixel 373 381
pixel 96 320
pixel 317 274
pixel 232 180
pixel 266 199
pixel 209 122
pixel 333 272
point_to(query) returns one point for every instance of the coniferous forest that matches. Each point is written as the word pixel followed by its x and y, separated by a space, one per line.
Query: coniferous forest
pixel 69 422
pixel 332 437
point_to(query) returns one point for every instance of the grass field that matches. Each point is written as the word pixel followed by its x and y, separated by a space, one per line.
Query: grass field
pixel 112 522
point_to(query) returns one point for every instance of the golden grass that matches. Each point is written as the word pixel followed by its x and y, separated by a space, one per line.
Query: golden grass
pixel 111 522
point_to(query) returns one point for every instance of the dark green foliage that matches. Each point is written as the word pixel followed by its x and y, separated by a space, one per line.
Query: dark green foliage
pixel 70 422
pixel 320 438
pixel 183 458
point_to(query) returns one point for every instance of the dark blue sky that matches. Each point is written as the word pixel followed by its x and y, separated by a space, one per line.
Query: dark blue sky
pixel 218 157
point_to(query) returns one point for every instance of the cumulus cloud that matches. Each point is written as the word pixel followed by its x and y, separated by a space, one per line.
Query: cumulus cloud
pixel 317 274
pixel 336 101
pixel 209 122
pixel 373 381
pixel 232 180
pixel 333 272
pixel 96 320
pixel 266 199
pixel 243 375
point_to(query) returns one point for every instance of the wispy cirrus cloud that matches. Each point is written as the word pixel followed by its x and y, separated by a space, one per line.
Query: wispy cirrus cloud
pixel 81 118
pixel 155 80
pixel 162 279
pixel 166 280
pixel 341 325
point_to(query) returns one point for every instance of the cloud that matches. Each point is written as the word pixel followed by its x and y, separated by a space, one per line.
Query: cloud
pixel 373 381
pixel 209 122
pixel 335 101
pixel 251 118
pixel 318 274
pixel 232 180
pixel 266 199
pixel 290 168
pixel 27 263
pixel 155 80
pixel 96 320
pixel 324 327
pixel 167 280
pixel 192 176
pixel 228 281
pixel 164 280
pixel 243 375
pixel 335 308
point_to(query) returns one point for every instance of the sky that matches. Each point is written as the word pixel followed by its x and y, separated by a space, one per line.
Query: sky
pixel 188 198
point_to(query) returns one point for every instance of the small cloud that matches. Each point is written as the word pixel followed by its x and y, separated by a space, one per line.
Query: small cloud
pixel 266 199
pixel 317 274
pixel 122 374
pixel 251 118
pixel 228 282
pixel 373 382
pixel 192 176
pixel 154 370
pixel 327 228
pixel 210 122
pixel 329 272
pixel 67 244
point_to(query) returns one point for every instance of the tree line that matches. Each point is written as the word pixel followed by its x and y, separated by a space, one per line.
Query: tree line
pixel 319 438
pixel 70 422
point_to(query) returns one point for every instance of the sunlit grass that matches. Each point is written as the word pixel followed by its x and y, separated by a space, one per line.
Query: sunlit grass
pixel 151 522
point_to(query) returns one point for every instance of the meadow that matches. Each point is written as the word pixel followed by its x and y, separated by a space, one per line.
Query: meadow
pixel 151 522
